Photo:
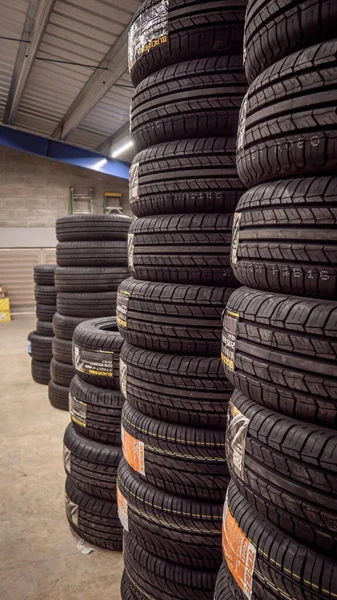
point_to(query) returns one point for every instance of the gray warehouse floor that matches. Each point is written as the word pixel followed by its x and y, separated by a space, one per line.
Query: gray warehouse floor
pixel 39 559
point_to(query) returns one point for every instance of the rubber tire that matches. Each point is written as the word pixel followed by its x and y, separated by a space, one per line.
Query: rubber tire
pixel 45 312
pixel 94 342
pixel 45 294
pixel 44 274
pixel 288 121
pixel 285 237
pixel 40 371
pixel 61 373
pixel 281 563
pixel 58 395
pixel 95 412
pixel 62 350
pixel 92 254
pixel 40 347
pixel 185 532
pixel 285 354
pixel 222 588
pixel 97 521
pixel 198 98
pixel 183 461
pixel 92 465
pixel 44 328
pixel 276 29
pixel 182 249
pixel 87 304
pixel 187 176
pixel 158 579
pixel 89 279
pixel 288 472
pixel 185 390
pixel 64 327
pixel 194 29
pixel 179 319
pixel 86 228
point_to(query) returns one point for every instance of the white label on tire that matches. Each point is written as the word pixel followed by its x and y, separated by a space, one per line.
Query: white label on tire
pixel 122 504
pixel 78 411
pixel 29 347
pixel 71 510
pixel 229 335
pixel 93 362
pixel 235 238
pixel 149 30
pixel 242 124
pixel 236 434
pixel 133 182
pixel 131 250
pixel 67 459
pixel 122 377
pixel 122 308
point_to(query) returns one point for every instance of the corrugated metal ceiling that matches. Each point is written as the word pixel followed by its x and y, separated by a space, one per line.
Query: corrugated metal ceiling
pixel 74 31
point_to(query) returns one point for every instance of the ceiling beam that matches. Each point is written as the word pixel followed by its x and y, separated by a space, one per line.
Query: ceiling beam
pixel 36 21
pixel 121 133
pixel 96 87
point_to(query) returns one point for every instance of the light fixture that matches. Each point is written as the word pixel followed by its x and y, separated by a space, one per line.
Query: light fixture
pixel 99 164
pixel 122 149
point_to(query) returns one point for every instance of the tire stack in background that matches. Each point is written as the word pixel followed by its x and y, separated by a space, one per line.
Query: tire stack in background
pixel 92 441
pixel 184 189
pixel 40 340
pixel 279 337
pixel 92 260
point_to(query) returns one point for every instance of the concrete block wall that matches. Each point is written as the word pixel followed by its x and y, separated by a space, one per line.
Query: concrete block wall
pixel 34 191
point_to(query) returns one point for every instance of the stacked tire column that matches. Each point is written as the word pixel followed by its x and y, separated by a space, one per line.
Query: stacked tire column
pixel 279 338
pixel 92 260
pixel 184 189
pixel 40 340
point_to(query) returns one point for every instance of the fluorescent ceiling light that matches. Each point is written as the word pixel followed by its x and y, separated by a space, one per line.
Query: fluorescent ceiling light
pixel 122 149
pixel 99 164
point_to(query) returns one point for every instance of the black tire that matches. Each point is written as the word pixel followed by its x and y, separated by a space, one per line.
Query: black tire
pixel 61 373
pixel 44 274
pixel 276 29
pixel 62 350
pixel 96 347
pixel 186 390
pixel 280 351
pixel 158 579
pixel 222 588
pixel 86 228
pixel 182 249
pixel 92 254
pixel 95 412
pixel 182 30
pixel 89 279
pixel 40 347
pixel 187 176
pixel 189 99
pixel 92 465
pixel 64 327
pixel 180 460
pixel 285 237
pixel 87 304
pixel 171 318
pixel 93 519
pixel 286 470
pixel 40 371
pixel 281 566
pixel 186 532
pixel 45 294
pixel 44 328
pixel 288 121
pixel 45 312
pixel 58 395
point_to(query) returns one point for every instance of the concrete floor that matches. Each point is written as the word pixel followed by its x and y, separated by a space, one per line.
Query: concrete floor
pixel 39 559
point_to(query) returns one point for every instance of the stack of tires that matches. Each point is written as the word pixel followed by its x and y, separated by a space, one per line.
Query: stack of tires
pixel 186 62
pixel 279 339
pixel 40 340
pixel 92 441
pixel 92 260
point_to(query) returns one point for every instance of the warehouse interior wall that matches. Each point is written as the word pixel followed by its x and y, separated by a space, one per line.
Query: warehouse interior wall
pixel 34 191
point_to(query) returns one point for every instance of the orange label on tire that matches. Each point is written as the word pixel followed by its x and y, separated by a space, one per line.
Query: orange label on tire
pixel 122 505
pixel 239 552
pixel 133 451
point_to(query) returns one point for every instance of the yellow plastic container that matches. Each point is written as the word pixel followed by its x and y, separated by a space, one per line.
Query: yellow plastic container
pixel 5 315
pixel 4 304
